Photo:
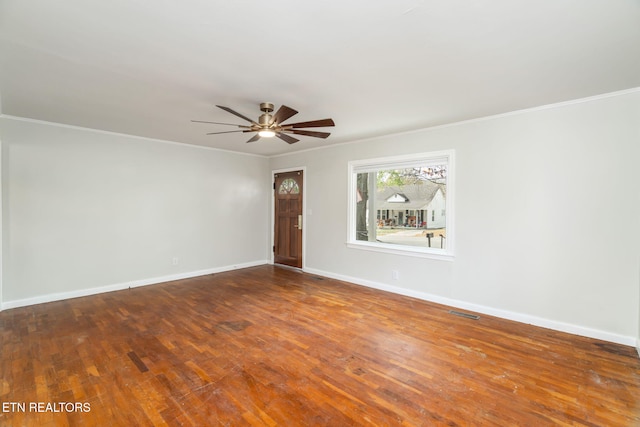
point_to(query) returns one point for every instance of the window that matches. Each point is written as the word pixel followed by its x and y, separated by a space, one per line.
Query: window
pixel 289 186
pixel 402 205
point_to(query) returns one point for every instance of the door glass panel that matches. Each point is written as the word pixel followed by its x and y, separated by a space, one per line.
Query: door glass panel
pixel 289 186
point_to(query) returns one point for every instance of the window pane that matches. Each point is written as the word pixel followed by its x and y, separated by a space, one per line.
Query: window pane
pixel 362 207
pixel 404 206
pixel 289 186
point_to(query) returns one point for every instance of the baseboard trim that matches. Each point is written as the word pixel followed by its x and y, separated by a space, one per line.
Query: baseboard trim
pixel 503 314
pixel 125 285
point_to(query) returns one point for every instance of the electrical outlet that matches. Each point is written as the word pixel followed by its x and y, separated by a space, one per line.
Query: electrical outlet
pixel 175 260
pixel 395 275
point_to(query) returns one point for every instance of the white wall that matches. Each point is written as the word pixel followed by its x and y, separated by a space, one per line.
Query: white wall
pixel 546 213
pixel 88 211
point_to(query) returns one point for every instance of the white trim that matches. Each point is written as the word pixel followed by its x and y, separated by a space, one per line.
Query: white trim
pixel 404 250
pixel 401 161
pixel 364 165
pixel 468 121
pixel 304 211
pixel 1 224
pixel 126 135
pixel 372 138
pixel 126 285
pixel 491 311
pixel 504 314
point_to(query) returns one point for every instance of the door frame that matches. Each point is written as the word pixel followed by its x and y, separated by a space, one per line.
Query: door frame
pixel 304 213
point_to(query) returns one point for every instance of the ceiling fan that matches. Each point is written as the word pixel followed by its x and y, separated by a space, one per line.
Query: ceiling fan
pixel 270 125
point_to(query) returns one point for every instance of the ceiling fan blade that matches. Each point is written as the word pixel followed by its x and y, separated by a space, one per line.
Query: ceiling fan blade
pixel 311 124
pixel 283 114
pixel 218 123
pixel 254 138
pixel 309 133
pixel 228 131
pixel 286 138
pixel 235 113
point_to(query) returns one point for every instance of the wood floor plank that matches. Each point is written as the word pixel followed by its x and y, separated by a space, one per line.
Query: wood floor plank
pixel 272 346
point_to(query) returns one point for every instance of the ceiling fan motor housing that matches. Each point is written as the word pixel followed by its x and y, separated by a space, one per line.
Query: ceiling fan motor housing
pixel 265 119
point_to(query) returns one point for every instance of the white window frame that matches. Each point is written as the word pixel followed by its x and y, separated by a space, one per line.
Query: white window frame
pixel 401 162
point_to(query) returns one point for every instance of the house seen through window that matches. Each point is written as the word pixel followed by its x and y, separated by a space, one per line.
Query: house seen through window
pixel 402 203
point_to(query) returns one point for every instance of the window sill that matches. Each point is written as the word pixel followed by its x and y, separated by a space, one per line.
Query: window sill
pixel 402 250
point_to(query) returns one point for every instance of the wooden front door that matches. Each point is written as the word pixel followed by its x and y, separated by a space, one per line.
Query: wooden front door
pixel 288 219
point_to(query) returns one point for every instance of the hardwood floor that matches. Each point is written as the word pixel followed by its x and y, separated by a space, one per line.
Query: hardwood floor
pixel 271 346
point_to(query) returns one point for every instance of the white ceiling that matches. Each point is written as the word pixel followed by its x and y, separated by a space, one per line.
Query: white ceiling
pixel 147 67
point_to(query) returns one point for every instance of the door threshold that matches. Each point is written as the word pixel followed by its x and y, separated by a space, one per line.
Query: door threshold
pixel 289 267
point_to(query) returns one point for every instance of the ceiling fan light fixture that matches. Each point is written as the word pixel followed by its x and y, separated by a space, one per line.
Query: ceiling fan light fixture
pixel 270 125
pixel 267 133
